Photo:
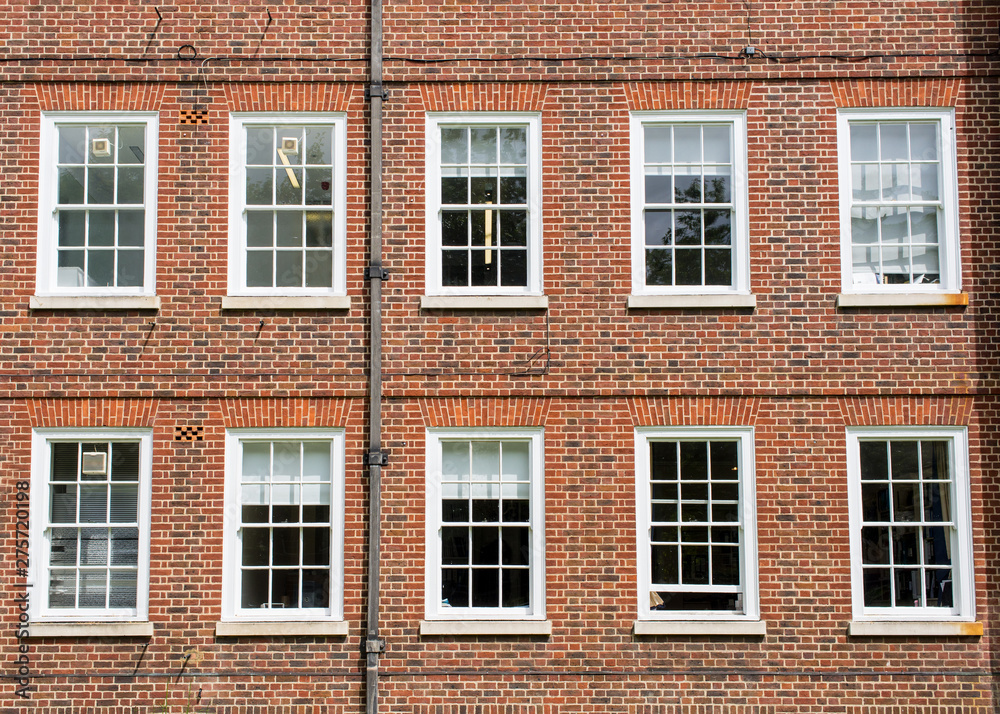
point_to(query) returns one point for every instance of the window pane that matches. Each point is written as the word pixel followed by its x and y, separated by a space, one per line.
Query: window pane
pixel 485 587
pixel 878 592
pixel 71 180
pixel 319 230
pixel 454 145
pixel 864 141
pixel 260 145
pixel 284 588
pixel 892 141
pixel 122 592
pixel 100 185
pixel 254 589
pixel 319 145
pixel 130 184
pixel 93 589
pixel 72 228
pixel 657 140
pixel 454 588
pixel 484 145
pixel 513 145
pixel 124 503
pixel 923 142
pixel 125 546
pixel 256 546
pixel 131 229
pixel 687 144
pixel 319 187
pixel 72 144
pixel 133 144
pixel 515 584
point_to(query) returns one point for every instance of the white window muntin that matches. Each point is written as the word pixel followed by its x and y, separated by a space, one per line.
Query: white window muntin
pixel 437 484
pixel 312 259
pixel 531 122
pixel 97 203
pixel 955 524
pixel 233 525
pixel 737 204
pixel 748 589
pixel 44 525
pixel 876 204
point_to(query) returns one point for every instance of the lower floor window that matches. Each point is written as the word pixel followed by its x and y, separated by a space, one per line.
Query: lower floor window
pixel 910 523
pixel 697 542
pixel 286 531
pixel 485 523
pixel 90 546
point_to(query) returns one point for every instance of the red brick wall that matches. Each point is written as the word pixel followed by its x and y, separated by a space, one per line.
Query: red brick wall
pixel 588 369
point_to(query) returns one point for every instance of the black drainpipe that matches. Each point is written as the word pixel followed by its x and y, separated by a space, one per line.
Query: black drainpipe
pixel 376 458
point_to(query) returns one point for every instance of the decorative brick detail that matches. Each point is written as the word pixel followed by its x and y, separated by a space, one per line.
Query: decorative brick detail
pixel 653 96
pixel 471 97
pixel 188 433
pixel 85 413
pixel 289 97
pixel 278 413
pixel 458 412
pixel 193 116
pixel 862 93
pixel 87 97
pixel 693 411
pixel 906 411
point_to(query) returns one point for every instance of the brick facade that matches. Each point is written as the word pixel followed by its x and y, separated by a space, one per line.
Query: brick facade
pixel 588 369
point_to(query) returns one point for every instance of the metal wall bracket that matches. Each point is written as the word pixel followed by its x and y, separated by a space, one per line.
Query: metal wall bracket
pixel 376 90
pixel 375 458
pixel 377 645
pixel 375 271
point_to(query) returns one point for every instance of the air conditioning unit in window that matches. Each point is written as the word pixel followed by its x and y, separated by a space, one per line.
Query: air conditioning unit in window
pixel 95 462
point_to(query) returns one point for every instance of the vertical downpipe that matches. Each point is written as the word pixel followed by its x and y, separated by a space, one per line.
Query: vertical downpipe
pixel 374 645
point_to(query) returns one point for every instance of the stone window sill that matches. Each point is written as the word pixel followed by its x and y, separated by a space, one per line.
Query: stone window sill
pixel 903 300
pixel 277 628
pixel 739 628
pixel 90 629
pixel 681 302
pixel 486 627
pixel 280 302
pixel 95 302
pixel 484 302
pixel 914 628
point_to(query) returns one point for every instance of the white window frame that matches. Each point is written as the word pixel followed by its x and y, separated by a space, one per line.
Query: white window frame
pixel 963 594
pixel 46 281
pixel 949 254
pixel 644 436
pixel 740 284
pixel 231 546
pixel 432 172
pixel 40 542
pixel 238 123
pixel 432 580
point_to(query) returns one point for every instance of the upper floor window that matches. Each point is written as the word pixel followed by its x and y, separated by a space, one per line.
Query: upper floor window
pixel 90 516
pixel 689 203
pixel 284 525
pixel 485 524
pixel 484 204
pixel 898 195
pixel 911 535
pixel 697 537
pixel 97 204
pixel 287 196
